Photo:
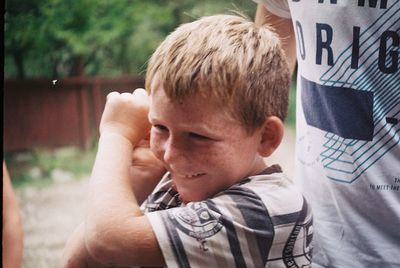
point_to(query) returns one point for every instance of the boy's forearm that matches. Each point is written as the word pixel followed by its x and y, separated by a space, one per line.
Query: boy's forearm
pixel 115 228
pixel 111 199
pixel 110 190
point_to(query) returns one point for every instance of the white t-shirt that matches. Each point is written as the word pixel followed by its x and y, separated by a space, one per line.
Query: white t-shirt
pixel 348 123
pixel 263 221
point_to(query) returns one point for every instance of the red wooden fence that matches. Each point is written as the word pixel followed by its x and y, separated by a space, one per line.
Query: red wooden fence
pixel 40 113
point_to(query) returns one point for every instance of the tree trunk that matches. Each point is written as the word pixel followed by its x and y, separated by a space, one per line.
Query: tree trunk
pixel 78 66
pixel 19 63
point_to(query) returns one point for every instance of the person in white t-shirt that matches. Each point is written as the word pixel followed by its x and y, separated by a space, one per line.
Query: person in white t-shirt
pixel 347 123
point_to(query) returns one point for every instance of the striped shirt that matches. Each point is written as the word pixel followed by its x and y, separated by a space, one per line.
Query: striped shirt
pixel 263 221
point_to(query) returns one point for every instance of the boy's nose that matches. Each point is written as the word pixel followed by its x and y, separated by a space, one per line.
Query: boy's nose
pixel 172 152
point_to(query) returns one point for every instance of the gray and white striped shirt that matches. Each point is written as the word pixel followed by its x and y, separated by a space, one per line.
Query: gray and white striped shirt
pixel 263 221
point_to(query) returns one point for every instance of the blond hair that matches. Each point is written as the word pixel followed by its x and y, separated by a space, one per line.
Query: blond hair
pixel 227 58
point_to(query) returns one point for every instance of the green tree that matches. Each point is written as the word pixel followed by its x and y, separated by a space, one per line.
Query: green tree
pixel 54 38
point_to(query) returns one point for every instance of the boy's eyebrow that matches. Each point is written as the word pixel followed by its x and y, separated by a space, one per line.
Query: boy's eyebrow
pixel 203 129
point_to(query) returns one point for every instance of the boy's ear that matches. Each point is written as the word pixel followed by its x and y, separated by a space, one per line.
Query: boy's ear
pixel 271 135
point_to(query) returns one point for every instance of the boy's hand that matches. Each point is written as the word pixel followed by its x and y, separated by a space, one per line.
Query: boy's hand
pixel 126 114
pixel 146 170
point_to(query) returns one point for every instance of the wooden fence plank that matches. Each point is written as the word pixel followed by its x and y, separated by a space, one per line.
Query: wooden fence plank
pixel 40 114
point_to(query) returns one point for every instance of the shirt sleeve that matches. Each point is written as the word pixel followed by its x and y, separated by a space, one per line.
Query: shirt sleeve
pixel 231 230
pixel 276 7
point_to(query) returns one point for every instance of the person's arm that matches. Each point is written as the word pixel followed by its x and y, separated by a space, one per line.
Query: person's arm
pixel 145 172
pixel 116 231
pixel 12 225
pixel 284 28
pixel 75 254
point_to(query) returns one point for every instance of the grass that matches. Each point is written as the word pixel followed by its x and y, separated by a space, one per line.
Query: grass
pixel 37 167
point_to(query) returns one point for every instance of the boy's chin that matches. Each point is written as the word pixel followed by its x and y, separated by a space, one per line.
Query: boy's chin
pixel 191 195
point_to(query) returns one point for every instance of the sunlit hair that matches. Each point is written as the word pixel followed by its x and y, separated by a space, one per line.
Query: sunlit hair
pixel 226 58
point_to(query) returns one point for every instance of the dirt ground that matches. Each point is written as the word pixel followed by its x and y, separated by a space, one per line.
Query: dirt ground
pixel 50 214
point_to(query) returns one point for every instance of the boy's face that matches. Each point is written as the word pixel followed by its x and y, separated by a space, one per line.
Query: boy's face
pixel 205 150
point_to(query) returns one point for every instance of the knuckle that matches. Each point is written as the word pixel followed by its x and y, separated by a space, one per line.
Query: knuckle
pixel 112 94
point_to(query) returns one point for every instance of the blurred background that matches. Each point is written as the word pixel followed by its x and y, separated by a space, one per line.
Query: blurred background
pixel 61 58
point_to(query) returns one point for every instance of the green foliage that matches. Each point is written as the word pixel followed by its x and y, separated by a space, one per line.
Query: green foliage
pixel 40 166
pixel 291 118
pixel 52 38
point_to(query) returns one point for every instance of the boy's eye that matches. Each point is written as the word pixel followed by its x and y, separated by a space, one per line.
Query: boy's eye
pixel 160 127
pixel 198 136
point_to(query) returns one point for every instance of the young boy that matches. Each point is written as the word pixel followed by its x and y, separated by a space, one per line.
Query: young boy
pixel 218 95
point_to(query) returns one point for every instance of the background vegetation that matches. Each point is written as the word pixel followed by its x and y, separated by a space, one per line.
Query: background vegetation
pixel 58 38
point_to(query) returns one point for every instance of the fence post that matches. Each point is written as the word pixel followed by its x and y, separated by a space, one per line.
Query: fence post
pixel 82 96
pixel 98 103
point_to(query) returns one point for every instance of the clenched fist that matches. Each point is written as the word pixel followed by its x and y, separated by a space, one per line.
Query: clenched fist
pixel 126 114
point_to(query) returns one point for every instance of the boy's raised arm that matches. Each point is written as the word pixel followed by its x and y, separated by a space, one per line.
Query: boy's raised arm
pixel 145 171
pixel 116 231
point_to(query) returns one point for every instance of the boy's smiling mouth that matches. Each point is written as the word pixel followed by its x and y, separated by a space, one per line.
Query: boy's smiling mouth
pixel 187 176
pixel 194 175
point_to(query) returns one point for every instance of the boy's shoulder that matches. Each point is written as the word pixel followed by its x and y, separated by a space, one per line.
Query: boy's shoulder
pixel 272 191
pixel 277 192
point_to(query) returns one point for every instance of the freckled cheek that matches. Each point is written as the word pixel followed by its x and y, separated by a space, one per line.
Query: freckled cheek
pixel 211 156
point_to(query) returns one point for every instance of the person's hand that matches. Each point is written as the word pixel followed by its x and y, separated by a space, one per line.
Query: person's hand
pixel 146 170
pixel 126 114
